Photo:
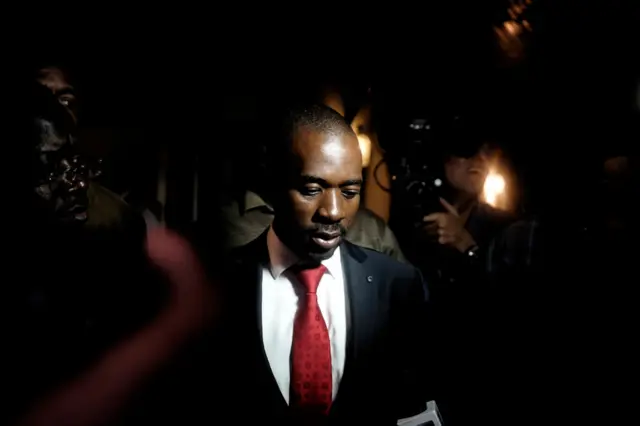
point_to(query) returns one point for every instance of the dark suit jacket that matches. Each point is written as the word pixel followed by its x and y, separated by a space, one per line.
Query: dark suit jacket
pixel 383 378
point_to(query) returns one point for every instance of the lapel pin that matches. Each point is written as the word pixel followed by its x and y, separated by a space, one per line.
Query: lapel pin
pixel 369 278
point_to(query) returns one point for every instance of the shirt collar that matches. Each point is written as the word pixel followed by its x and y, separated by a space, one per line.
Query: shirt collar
pixel 281 257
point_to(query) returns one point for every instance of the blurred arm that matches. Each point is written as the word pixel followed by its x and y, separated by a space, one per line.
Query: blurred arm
pixel 99 395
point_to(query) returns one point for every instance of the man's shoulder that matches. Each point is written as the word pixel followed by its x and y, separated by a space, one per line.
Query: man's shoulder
pixel 245 256
pixel 379 261
pixel 368 216
pixel 106 208
pixel 403 281
pixel 367 229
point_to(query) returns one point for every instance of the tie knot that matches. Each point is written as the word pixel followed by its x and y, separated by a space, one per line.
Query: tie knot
pixel 310 278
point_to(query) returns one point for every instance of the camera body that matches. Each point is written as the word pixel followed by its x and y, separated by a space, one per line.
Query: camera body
pixel 418 172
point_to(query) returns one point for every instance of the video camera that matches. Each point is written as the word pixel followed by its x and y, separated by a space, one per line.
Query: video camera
pixel 417 168
pixel 418 172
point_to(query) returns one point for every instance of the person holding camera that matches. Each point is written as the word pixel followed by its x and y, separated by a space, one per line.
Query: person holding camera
pixel 464 224
pixel 453 248
pixel 452 230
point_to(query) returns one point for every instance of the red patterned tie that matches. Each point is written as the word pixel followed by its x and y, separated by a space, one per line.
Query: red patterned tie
pixel 311 350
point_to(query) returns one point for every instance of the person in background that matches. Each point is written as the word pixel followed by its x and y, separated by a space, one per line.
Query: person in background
pixel 107 211
pixel 452 246
pixel 82 288
pixel 458 232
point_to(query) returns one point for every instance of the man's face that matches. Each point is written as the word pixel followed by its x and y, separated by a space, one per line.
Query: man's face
pixel 54 79
pixel 467 175
pixel 322 194
pixel 60 179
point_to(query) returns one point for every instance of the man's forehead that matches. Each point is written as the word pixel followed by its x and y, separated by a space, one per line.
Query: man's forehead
pixel 307 141
pixel 54 78
pixel 332 159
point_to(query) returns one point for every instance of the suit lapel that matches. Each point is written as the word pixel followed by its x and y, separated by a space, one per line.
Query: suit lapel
pixel 361 307
pixel 251 264
pixel 264 367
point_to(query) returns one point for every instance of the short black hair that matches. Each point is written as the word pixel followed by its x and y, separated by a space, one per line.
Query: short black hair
pixel 315 117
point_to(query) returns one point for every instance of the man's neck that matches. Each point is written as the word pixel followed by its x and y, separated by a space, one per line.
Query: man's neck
pixel 275 228
pixel 300 259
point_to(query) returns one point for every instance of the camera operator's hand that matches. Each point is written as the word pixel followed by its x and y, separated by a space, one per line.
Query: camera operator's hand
pixel 448 228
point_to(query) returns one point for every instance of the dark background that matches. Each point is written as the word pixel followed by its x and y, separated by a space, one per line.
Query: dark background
pixel 204 84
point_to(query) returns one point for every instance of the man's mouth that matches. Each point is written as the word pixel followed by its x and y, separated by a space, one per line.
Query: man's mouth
pixel 78 212
pixel 80 217
pixel 327 240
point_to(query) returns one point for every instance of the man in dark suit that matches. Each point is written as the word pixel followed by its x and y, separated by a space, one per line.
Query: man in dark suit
pixel 319 330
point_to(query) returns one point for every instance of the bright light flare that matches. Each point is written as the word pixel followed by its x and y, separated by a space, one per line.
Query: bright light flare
pixel 494 188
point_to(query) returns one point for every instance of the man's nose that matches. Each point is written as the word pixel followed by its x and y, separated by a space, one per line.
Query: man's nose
pixel 480 160
pixel 332 206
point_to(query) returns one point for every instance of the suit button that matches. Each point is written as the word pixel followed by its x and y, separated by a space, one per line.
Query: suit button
pixel 369 278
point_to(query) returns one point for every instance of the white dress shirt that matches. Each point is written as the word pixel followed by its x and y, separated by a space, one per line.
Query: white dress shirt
pixel 280 294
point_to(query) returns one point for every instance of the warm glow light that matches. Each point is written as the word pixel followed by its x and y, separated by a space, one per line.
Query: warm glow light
pixel 494 188
pixel 365 149
pixel 333 100
pixel 513 28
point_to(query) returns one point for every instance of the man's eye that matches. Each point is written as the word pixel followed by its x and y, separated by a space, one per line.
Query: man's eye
pixel 310 191
pixel 67 101
pixel 350 193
